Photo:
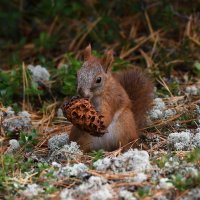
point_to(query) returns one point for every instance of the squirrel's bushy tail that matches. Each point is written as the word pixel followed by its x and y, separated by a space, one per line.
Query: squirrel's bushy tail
pixel 140 90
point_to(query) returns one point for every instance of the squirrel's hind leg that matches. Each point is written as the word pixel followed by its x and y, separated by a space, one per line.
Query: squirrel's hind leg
pixel 82 138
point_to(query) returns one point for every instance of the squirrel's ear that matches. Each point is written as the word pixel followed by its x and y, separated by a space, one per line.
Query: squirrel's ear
pixel 87 52
pixel 107 60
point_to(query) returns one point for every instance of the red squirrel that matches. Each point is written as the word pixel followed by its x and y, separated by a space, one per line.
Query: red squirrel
pixel 123 99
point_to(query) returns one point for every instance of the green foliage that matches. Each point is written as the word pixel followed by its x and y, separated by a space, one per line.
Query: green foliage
pixel 179 182
pixel 162 160
pixel 189 118
pixel 33 90
pixel 173 86
pixel 65 77
pixel 49 28
pixel 50 188
pixel 64 83
pixel 42 166
pixel 10 86
pixel 193 156
pixel 97 155
pixel 14 167
pixel 143 191
pixel 183 183
pixel 9 168
pixel 28 140
pixel 197 67
pixel 187 181
pixel 45 41
pixel 12 89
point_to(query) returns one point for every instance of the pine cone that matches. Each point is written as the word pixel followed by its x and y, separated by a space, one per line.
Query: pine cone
pixel 81 113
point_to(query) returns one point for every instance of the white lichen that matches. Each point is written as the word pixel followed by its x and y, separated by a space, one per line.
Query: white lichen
pixel 7 113
pixel 60 113
pixel 103 164
pixel 14 146
pixel 56 165
pixel 159 110
pixel 193 194
pixel 16 123
pixel 159 103
pixel 156 114
pixel 197 110
pixel 104 193
pixel 93 183
pixel 172 163
pixel 165 184
pixel 180 140
pixel 32 190
pixel 140 177
pixel 193 90
pixel 190 171
pixel 24 114
pixel 132 160
pixel 39 73
pixel 126 195
pixel 169 113
pixel 92 186
pixel 66 194
pixel 58 141
pixel 196 139
pixel 75 170
pixel 161 197
pixel 67 152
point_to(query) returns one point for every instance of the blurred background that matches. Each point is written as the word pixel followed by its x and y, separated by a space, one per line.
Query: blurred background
pixel 161 36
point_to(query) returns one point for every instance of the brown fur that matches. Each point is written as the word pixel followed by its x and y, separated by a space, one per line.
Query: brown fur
pixel 125 128
pixel 123 100
pixel 140 91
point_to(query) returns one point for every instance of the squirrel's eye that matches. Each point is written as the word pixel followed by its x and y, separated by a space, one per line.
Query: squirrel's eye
pixel 98 80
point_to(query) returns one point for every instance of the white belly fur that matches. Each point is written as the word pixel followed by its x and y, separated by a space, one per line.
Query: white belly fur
pixel 110 139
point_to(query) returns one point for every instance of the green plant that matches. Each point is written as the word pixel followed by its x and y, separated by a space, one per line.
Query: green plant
pixel 97 155
pixel 45 41
pixel 143 191
pixel 162 161
pixel 197 67
pixel 12 167
pixel 65 77
pixel 42 166
pixel 10 86
pixel 193 156
pixel 183 183
pixel 28 140
pixel 50 188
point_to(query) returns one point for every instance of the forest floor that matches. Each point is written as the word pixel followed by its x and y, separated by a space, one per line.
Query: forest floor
pixel 38 73
pixel 38 162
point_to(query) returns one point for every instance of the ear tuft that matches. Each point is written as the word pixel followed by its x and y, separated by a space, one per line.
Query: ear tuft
pixel 87 52
pixel 107 60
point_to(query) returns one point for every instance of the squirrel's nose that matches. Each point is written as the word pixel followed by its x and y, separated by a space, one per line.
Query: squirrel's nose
pixel 84 93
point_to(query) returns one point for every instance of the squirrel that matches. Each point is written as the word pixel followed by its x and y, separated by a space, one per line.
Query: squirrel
pixel 123 100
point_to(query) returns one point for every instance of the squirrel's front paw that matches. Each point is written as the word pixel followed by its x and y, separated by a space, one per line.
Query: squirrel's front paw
pixel 81 113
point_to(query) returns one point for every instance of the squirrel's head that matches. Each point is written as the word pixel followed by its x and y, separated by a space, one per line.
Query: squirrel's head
pixel 94 73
